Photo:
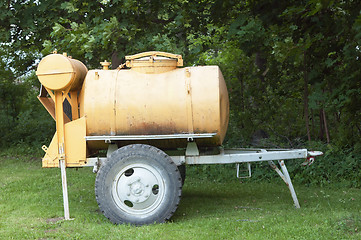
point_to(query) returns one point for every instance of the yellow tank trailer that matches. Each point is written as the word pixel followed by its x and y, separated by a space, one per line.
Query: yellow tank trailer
pixel 152 98
pixel 152 117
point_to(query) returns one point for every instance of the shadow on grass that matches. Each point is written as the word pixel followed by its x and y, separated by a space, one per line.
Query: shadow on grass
pixel 206 199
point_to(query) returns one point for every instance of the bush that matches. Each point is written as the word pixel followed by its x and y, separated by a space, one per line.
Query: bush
pixel 338 166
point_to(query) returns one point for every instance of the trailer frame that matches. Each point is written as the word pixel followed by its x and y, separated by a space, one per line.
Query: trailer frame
pixel 192 156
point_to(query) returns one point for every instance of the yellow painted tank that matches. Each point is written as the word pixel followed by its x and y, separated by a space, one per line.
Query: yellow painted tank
pixel 155 97
pixel 58 72
pixel 152 102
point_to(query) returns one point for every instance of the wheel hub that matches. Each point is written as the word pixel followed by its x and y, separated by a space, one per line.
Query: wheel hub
pixel 138 189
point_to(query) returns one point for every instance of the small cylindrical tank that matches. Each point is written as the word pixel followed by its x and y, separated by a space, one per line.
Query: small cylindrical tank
pixel 59 72
pixel 155 98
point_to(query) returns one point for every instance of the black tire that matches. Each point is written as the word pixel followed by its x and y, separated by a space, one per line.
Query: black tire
pixel 182 171
pixel 138 184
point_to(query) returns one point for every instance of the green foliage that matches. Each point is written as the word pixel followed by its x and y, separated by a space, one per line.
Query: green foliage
pixel 338 166
pixel 292 67
pixel 23 120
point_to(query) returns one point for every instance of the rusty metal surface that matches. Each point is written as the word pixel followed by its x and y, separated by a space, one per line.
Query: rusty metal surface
pixel 126 102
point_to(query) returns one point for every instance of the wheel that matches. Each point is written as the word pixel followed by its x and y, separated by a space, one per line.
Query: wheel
pixel 182 171
pixel 138 184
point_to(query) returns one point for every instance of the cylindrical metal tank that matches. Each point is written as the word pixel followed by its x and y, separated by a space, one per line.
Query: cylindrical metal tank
pixel 175 101
pixel 59 72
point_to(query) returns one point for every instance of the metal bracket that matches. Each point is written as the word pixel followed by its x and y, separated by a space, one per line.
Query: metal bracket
pixel 45 148
pixel 96 162
pixel 274 167
pixel 248 170
pixel 111 148
pixel 286 178
pixel 96 166
pixel 192 149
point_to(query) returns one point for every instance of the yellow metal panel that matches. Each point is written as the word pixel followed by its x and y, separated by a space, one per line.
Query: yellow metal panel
pixel 189 104
pixel 59 121
pixel 74 105
pixel 49 105
pixel 50 158
pixel 75 146
pixel 150 103
pixel 210 101
pixel 223 106
pixel 98 98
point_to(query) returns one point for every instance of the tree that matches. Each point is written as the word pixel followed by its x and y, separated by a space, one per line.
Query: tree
pixel 292 67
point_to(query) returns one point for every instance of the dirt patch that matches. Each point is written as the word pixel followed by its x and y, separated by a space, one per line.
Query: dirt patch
pixel 54 220
pixel 350 225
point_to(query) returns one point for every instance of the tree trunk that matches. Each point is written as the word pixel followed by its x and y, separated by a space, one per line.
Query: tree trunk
pixel 115 60
pixel 325 125
pixel 322 129
pixel 313 124
pixel 305 96
pixel 242 100
pixel 242 93
pixel 260 62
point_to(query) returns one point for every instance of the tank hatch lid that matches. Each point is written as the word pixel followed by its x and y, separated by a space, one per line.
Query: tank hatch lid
pixel 154 62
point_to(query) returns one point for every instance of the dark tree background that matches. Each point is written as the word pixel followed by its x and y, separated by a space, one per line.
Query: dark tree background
pixel 292 67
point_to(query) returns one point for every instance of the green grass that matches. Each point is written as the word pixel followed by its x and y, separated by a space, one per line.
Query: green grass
pixel 31 198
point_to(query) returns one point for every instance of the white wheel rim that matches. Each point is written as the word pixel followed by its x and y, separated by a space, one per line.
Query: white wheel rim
pixel 138 189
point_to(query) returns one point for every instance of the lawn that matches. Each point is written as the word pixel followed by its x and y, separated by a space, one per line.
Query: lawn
pixel 31 205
